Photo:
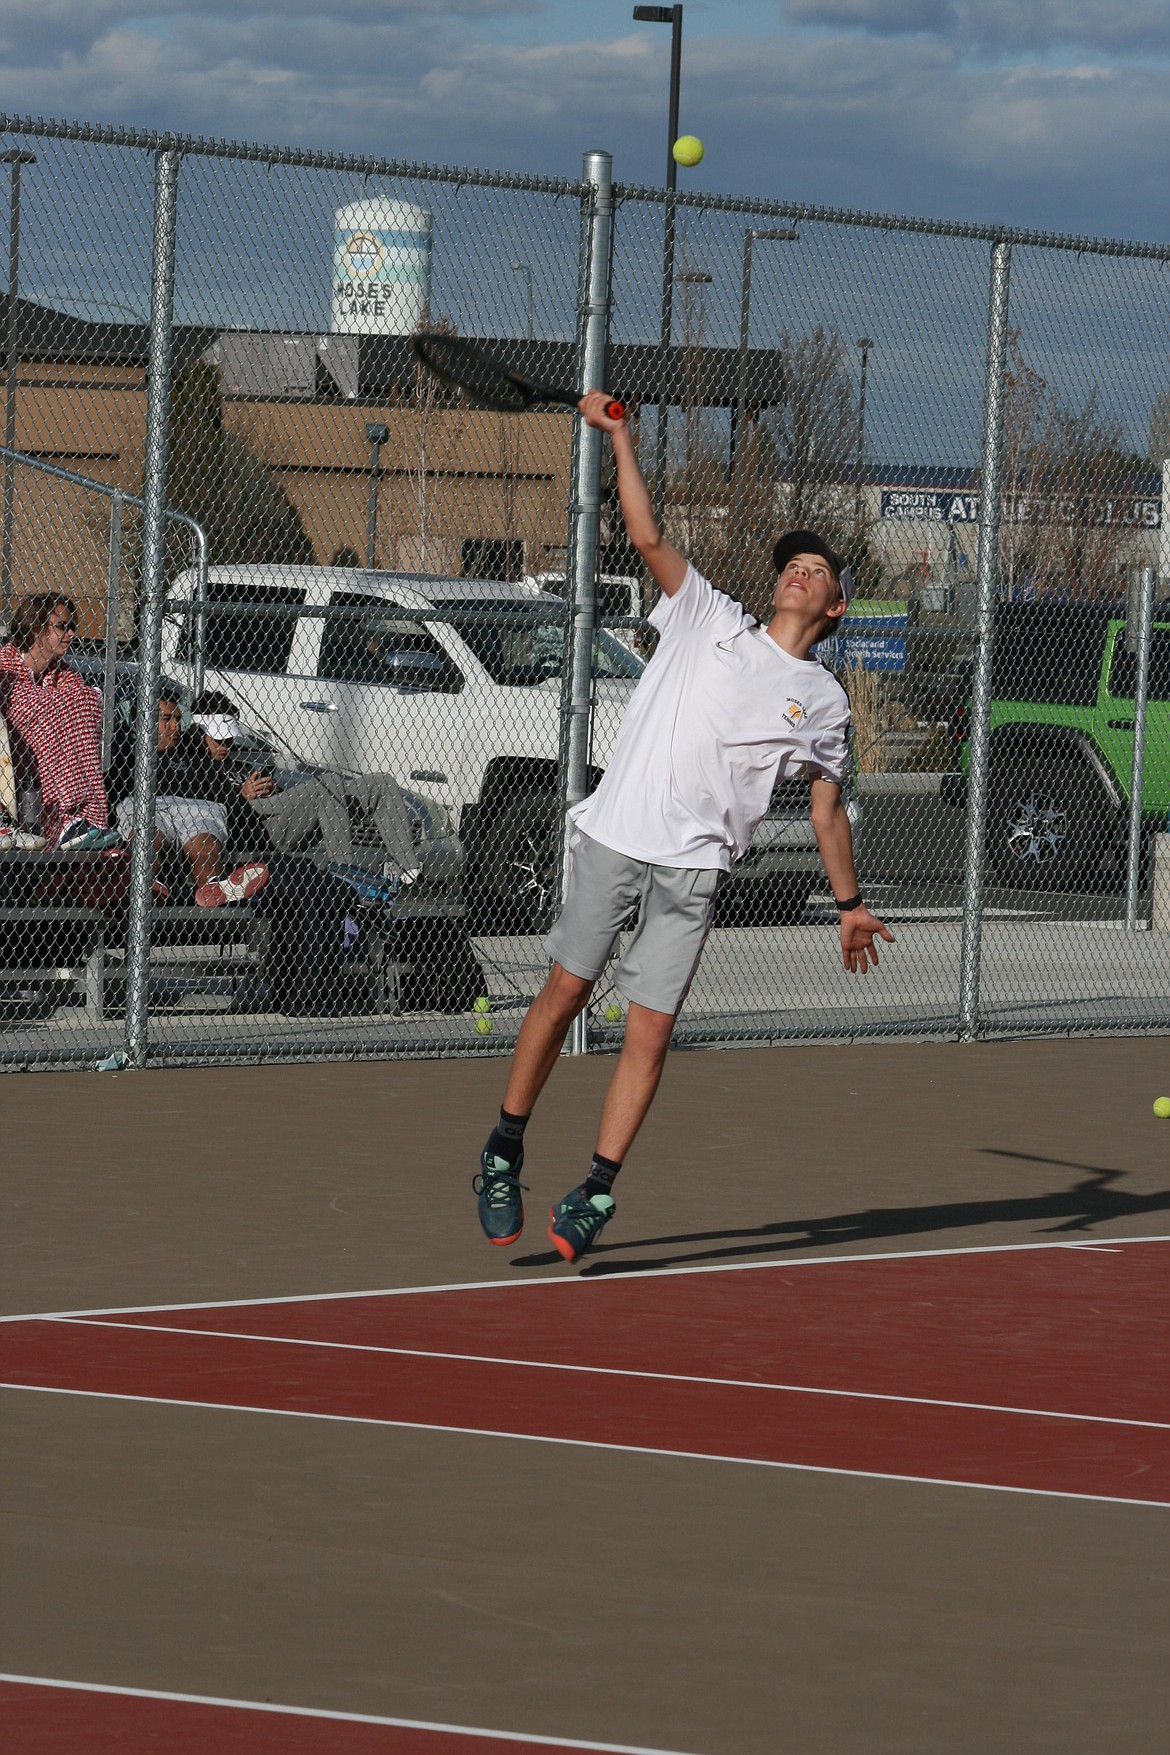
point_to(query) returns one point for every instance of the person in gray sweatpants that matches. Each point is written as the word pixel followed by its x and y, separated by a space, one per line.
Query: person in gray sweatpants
pixel 296 815
pixel 317 807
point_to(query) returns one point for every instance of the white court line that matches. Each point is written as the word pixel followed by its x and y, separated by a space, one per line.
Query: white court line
pixel 564 1279
pixel 860 1395
pixel 751 1462
pixel 353 1718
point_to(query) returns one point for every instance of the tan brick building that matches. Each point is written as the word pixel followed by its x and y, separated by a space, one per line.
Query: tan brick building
pixel 452 486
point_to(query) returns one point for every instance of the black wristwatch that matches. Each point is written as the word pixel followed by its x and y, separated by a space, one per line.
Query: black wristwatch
pixel 850 903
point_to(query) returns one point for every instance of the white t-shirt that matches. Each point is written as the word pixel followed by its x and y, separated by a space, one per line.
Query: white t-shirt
pixel 720 715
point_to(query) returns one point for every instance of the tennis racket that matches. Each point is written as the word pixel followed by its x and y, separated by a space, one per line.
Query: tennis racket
pixel 466 366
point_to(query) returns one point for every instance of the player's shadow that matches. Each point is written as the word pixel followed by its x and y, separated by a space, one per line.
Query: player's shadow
pixel 1088 1203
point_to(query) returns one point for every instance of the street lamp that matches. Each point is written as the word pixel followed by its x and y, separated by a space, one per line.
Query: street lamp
pixel 694 323
pixel 525 268
pixel 15 157
pixel 671 15
pixel 738 432
pixel 864 344
pixel 377 432
pixel 739 411
pixel 687 277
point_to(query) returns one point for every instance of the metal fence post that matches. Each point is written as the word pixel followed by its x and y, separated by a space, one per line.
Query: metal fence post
pixel 152 588
pixel 110 662
pixel 585 522
pixel 1141 696
pixel 979 746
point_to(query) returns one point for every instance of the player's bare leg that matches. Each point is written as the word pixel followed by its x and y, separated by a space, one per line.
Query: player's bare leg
pixel 541 1038
pixel 635 1079
pixel 576 1222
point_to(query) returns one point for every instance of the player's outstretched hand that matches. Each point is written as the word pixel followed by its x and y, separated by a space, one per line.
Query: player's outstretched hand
pixel 859 928
pixel 593 406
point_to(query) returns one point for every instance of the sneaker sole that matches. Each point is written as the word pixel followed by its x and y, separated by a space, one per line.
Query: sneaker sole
pixel 561 1244
pixel 207 896
pixel 253 886
pixel 502 1242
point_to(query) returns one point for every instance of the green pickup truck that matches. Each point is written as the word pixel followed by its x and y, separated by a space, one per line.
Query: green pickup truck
pixel 1061 724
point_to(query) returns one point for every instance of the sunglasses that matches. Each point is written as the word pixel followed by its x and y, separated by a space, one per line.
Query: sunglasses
pixel 63 627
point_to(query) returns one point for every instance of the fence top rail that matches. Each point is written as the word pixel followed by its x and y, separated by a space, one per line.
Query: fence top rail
pixel 155 140
pixel 896 222
pixel 194 145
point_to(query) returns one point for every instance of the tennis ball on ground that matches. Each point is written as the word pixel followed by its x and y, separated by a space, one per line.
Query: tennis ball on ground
pixel 1162 1108
pixel 687 150
pixel 482 1004
pixel 613 1014
pixel 484 1025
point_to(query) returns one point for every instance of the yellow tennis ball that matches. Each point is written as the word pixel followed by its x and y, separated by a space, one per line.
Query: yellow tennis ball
pixel 687 150
pixel 613 1014
pixel 1162 1108
pixel 482 1004
pixel 484 1025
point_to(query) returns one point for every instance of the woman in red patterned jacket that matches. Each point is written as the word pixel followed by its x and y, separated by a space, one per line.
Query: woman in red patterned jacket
pixel 54 723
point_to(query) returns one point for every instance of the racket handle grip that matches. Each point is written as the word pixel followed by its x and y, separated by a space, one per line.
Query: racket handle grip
pixel 615 410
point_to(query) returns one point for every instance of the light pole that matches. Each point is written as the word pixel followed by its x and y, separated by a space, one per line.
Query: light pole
pixel 739 411
pixel 377 432
pixel 525 268
pixel 864 344
pixel 15 157
pixel 671 15
pixel 694 320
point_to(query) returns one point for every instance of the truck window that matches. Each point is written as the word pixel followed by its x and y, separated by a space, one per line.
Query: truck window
pixel 520 646
pixel 247 626
pixel 367 640
pixel 1048 652
pixel 1123 670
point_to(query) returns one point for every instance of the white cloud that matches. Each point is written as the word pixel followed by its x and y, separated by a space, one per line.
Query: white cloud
pixel 900 122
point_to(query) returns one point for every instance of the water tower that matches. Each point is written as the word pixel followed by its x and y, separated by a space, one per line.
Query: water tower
pixel 381 267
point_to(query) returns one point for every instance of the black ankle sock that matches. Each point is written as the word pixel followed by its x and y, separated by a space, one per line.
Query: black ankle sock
pixel 601 1174
pixel 506 1139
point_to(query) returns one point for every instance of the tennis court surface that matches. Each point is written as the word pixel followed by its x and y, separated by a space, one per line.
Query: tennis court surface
pixel 853 1435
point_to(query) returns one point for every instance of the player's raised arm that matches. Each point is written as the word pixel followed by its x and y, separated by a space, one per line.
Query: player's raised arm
pixel 668 566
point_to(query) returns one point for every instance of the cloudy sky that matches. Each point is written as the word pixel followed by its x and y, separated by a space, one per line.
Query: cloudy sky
pixel 1050 113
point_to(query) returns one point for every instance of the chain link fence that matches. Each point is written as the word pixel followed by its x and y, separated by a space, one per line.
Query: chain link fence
pixel 350 647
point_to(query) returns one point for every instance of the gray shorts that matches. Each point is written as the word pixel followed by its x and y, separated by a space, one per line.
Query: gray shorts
pixel 675 908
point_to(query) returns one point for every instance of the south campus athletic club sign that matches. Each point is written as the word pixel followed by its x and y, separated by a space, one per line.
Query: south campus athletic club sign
pixel 943 506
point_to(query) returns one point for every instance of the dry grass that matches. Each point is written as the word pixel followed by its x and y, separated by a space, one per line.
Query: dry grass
pixel 875 716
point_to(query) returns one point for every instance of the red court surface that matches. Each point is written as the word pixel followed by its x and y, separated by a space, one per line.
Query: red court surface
pixel 1035 1370
pixel 41 1719
pixel 1040 1370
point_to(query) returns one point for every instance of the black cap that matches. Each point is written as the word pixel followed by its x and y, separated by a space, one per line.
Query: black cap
pixel 807 542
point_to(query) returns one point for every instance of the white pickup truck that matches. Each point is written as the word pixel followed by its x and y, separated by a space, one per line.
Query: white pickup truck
pixel 454 686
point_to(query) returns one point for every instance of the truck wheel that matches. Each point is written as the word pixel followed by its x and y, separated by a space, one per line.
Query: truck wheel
pixel 1048 828
pixel 519 866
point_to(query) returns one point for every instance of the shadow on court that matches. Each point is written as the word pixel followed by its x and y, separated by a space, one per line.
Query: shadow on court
pixel 1087 1203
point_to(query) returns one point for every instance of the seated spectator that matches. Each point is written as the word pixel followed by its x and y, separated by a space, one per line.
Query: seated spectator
pixel 195 798
pixel 54 721
pixel 316 808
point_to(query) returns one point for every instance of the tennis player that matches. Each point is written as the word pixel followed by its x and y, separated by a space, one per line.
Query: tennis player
pixel 724 710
